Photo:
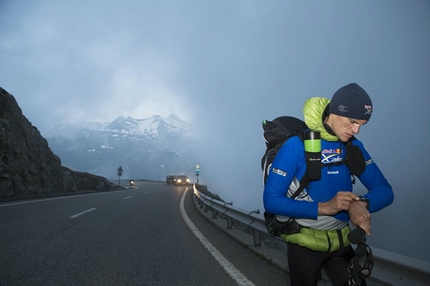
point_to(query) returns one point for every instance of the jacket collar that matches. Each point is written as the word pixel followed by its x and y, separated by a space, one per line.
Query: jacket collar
pixel 315 110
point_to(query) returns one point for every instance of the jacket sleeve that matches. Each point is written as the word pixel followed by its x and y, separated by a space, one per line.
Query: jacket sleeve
pixel 380 192
pixel 288 165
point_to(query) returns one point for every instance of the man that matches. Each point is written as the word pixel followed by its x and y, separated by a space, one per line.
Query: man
pixel 324 209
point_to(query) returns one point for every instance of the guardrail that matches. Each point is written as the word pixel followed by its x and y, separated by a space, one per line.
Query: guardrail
pixel 389 268
pixel 251 219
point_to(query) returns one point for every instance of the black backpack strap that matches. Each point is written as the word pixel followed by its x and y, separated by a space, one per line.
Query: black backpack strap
pixel 341 245
pixel 354 159
pixel 304 183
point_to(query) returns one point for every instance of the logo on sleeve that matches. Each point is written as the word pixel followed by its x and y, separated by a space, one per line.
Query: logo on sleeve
pixel 279 172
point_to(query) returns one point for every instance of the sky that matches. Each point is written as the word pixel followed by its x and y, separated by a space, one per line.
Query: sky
pixel 224 66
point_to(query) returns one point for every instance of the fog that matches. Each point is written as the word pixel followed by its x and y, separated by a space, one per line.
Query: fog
pixel 227 65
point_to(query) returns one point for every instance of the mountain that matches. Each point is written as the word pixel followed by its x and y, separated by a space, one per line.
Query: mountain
pixel 148 148
pixel 28 167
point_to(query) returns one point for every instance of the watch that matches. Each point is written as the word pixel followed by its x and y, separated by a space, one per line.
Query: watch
pixel 366 200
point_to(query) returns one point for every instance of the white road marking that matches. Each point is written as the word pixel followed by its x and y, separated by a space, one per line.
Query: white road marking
pixel 127 197
pixel 227 265
pixel 56 198
pixel 87 211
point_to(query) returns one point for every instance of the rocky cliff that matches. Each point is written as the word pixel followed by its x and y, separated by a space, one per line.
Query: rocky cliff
pixel 27 164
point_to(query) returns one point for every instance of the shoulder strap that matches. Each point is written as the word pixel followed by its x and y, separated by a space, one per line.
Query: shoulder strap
pixel 304 183
pixel 354 159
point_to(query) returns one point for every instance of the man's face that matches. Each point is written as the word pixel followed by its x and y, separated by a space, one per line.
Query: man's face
pixel 345 127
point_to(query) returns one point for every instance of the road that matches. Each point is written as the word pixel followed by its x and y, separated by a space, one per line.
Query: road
pixel 128 237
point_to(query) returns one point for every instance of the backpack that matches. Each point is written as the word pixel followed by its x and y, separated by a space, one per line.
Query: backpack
pixel 276 133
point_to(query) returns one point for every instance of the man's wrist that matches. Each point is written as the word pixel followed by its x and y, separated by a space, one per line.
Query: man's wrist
pixel 365 200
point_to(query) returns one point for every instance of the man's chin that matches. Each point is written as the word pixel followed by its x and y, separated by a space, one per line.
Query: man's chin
pixel 345 138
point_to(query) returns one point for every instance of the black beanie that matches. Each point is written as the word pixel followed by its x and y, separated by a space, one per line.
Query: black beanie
pixel 351 101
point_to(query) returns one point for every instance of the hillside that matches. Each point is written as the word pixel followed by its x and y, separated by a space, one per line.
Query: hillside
pixel 28 166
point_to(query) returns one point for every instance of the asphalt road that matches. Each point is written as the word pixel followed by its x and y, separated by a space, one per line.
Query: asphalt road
pixel 129 237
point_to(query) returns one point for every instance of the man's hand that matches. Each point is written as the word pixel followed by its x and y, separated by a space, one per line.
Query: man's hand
pixel 341 202
pixel 360 216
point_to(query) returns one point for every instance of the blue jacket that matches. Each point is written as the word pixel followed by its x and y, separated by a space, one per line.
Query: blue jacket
pixel 289 167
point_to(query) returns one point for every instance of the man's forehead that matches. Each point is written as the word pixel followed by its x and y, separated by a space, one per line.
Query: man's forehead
pixel 359 121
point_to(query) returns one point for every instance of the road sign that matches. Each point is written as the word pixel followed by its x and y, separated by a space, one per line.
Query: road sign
pixel 120 170
pixel 197 172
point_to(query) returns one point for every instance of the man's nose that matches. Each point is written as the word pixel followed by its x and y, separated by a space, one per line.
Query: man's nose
pixel 356 128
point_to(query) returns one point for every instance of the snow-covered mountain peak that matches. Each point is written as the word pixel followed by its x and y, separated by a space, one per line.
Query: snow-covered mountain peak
pixel 153 147
pixel 127 125
pixel 122 124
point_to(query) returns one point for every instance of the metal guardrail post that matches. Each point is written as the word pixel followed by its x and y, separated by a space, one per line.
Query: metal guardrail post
pixel 229 223
pixel 214 213
pixel 206 208
pixel 257 237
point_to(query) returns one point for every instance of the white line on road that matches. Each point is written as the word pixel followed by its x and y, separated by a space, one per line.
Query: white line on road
pixel 57 198
pixel 87 211
pixel 227 265
pixel 127 197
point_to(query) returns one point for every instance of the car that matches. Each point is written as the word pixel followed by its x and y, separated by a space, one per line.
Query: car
pixel 177 180
pixel 171 179
pixel 182 180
